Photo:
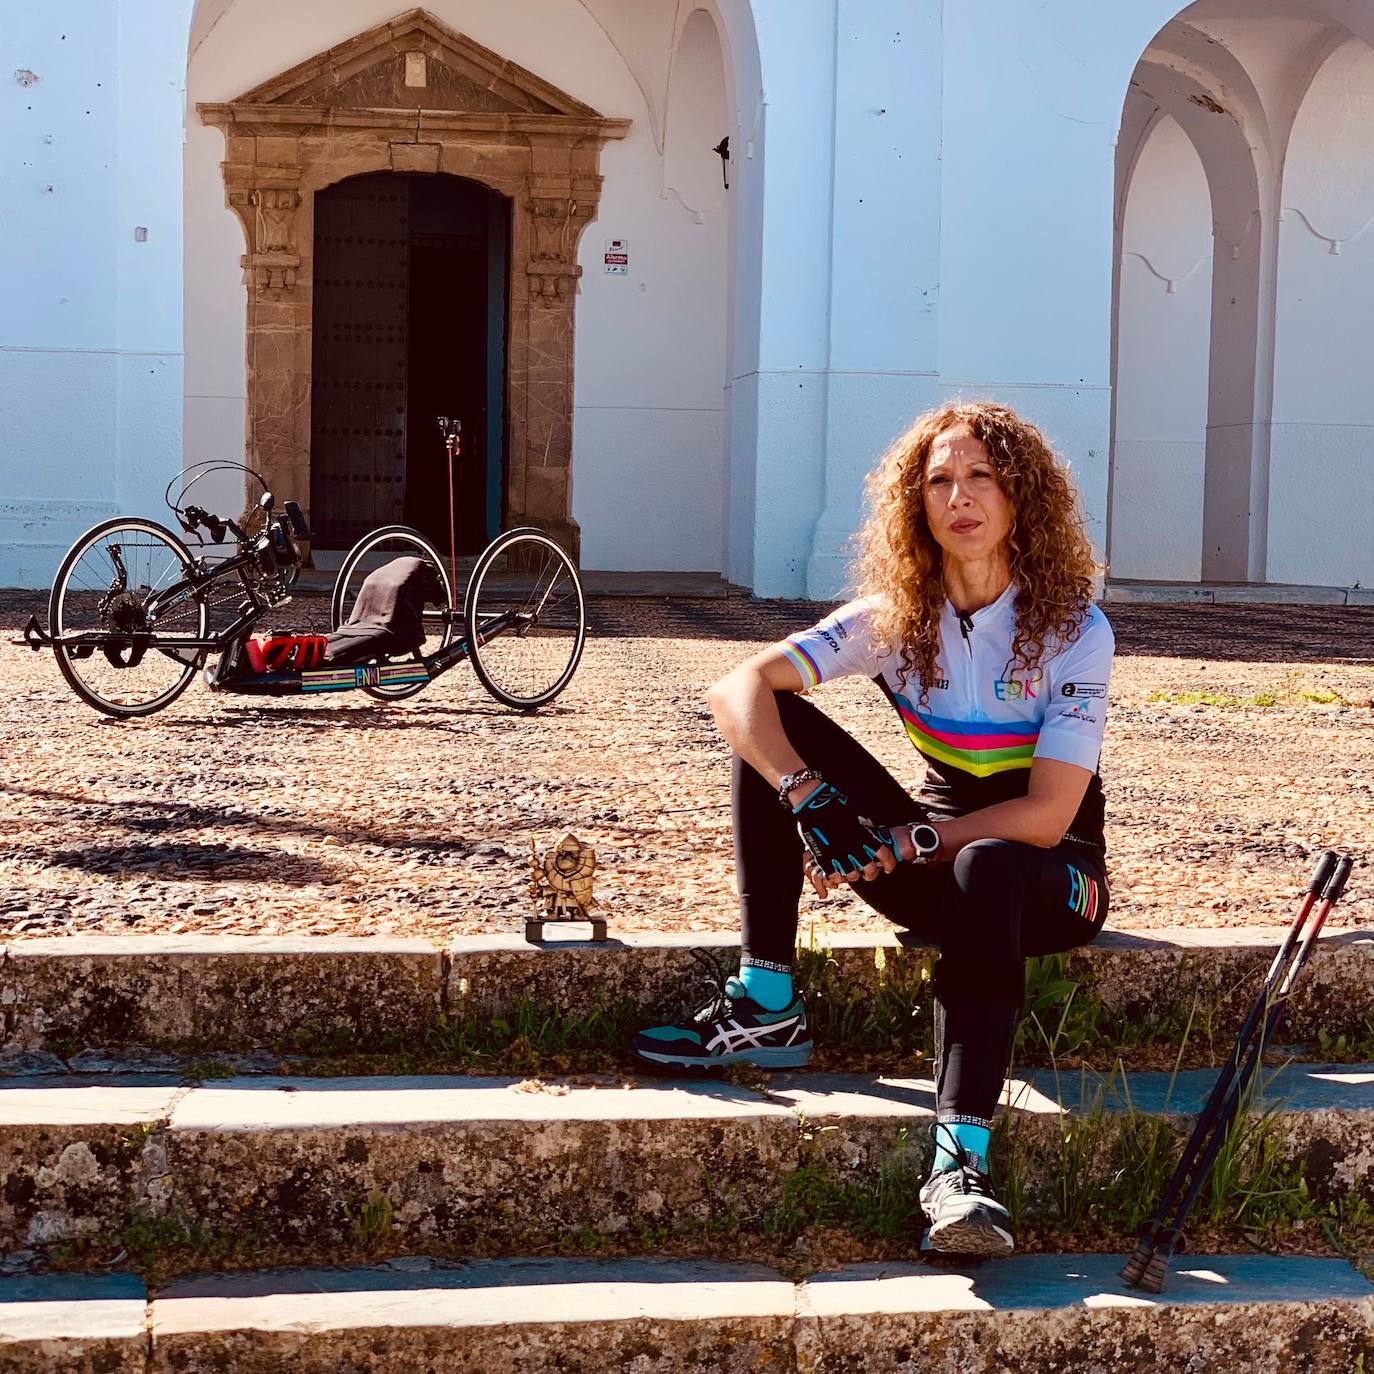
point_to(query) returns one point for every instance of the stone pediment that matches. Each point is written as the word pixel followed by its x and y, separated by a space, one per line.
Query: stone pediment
pixel 413 62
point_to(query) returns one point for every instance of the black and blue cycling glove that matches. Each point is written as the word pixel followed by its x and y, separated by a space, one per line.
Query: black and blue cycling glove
pixel 830 828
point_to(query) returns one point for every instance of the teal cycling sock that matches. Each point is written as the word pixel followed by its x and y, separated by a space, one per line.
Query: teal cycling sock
pixel 971 1139
pixel 771 988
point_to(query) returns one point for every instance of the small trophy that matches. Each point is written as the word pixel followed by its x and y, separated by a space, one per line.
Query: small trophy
pixel 561 885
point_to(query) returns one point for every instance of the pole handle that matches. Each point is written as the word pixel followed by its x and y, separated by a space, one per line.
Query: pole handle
pixel 1321 875
pixel 1336 885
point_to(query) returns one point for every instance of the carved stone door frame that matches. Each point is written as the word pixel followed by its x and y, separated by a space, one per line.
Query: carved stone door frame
pixel 341 114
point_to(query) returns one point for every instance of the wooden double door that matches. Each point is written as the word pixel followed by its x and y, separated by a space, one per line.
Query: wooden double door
pixel 409 323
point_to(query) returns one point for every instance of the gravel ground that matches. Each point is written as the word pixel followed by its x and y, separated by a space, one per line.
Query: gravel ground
pixel 345 816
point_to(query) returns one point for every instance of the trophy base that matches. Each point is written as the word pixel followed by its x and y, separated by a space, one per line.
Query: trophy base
pixel 534 927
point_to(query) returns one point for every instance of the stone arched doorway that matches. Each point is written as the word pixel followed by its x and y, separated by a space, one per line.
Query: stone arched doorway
pixel 413 96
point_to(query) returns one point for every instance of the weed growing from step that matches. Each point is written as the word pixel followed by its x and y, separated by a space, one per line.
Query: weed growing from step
pixel 203 1070
pixel 158 1246
pixel 1357 1048
pixel 371 1222
pixel 889 1021
pixel 880 1207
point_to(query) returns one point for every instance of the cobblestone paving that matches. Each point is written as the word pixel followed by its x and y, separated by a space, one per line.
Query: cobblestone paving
pixel 346 816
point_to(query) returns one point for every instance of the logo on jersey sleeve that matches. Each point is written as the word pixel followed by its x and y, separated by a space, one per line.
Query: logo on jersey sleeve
pixel 1078 711
pixel 1083 689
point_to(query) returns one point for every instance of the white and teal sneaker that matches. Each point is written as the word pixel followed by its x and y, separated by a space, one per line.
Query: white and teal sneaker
pixel 964 1214
pixel 731 1028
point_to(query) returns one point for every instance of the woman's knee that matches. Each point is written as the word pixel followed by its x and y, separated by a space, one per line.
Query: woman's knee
pixel 985 862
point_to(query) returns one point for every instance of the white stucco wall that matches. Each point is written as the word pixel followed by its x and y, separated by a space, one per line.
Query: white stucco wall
pixel 921 207
pixel 1321 516
pixel 90 318
pixel 648 468
pixel 1164 334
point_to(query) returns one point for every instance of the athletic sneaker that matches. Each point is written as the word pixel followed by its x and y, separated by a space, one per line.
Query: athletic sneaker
pixel 731 1028
pixel 964 1214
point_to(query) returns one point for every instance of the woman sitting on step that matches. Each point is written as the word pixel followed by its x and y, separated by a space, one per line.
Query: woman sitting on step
pixel 977 622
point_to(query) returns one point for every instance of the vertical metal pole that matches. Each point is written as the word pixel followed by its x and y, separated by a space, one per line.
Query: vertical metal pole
pixel 455 447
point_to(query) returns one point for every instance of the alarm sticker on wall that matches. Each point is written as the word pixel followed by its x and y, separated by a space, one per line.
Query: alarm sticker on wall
pixel 618 257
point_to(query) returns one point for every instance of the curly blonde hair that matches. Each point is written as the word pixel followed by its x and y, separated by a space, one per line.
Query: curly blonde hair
pixel 902 566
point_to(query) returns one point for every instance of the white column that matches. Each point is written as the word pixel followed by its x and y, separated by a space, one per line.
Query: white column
pixel 783 402
pixel 884 306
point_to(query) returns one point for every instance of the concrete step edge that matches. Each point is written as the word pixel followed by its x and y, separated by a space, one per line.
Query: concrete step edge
pixel 270 1103
pixel 1218 1312
pixel 227 992
pixel 471 1161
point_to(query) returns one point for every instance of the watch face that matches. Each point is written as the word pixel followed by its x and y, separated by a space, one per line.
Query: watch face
pixel 926 839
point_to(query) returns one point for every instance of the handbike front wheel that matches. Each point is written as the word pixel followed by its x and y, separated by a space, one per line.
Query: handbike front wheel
pixel 371 552
pixel 525 620
pixel 103 588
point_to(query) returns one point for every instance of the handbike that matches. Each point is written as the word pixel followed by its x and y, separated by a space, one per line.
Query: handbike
pixel 129 615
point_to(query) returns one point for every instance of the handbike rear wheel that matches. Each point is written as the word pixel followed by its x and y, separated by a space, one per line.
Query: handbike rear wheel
pixel 369 554
pixel 103 587
pixel 525 620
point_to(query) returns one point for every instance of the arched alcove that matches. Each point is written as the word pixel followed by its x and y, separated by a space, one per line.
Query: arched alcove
pixel 1323 435
pixel 1277 100
pixel 1164 333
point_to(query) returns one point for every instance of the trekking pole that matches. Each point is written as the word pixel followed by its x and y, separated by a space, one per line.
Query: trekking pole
pixel 1172 1238
pixel 1163 1236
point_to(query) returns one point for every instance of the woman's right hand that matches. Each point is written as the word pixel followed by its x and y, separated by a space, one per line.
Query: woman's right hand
pixel 842 847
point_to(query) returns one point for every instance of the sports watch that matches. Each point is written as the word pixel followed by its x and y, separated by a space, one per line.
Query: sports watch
pixel 925 840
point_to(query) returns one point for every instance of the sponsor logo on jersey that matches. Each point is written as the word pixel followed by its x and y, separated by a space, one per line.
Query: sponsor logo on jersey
pixel 1084 689
pixel 830 640
pixel 1078 712
pixel 1022 685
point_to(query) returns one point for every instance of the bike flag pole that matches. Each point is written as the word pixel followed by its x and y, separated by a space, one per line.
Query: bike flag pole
pixel 1163 1236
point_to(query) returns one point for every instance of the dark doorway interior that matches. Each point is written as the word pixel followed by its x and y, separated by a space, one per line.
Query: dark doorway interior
pixel 409 324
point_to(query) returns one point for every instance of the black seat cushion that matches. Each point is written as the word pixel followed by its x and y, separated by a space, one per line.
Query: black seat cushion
pixel 387 618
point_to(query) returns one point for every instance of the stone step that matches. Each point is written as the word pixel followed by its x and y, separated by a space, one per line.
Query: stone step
pixel 316 1166
pixel 64 995
pixel 518 1316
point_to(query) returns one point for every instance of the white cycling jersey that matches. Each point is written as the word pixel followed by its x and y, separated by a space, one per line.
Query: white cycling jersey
pixel 984 720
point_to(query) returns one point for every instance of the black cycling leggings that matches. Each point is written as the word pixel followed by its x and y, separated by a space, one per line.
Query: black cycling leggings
pixel 997 903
